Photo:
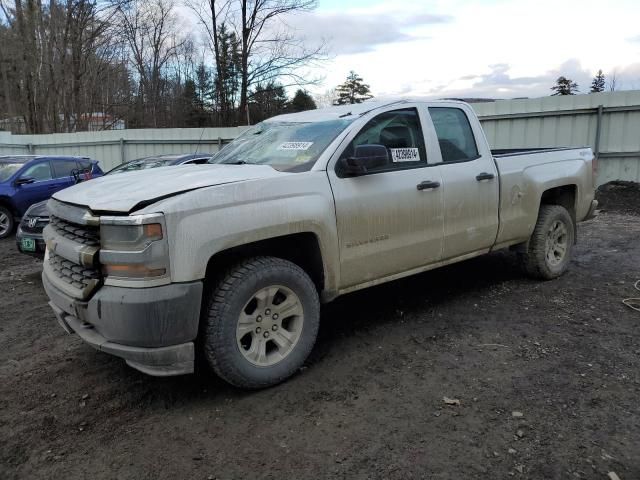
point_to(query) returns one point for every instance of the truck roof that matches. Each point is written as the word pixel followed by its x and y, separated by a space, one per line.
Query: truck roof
pixel 346 111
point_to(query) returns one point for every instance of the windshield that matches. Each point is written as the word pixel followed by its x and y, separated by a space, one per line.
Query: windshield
pixel 284 146
pixel 7 169
pixel 143 164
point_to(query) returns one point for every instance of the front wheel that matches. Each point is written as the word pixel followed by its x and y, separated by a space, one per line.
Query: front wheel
pixel 6 222
pixel 549 250
pixel 261 322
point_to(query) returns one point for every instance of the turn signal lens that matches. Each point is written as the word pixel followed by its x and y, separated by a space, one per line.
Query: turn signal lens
pixel 133 271
pixel 153 231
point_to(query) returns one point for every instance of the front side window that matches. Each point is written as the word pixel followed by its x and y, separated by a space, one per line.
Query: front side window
pixel 457 143
pixel 286 146
pixel 64 168
pixel 8 169
pixel 400 132
pixel 39 172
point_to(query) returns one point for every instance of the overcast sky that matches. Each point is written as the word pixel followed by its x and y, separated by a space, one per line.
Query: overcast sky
pixel 475 48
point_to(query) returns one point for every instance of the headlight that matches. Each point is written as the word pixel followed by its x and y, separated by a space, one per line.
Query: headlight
pixel 134 247
pixel 129 238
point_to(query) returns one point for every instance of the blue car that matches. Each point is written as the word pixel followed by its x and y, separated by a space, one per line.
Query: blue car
pixel 29 179
pixel 29 235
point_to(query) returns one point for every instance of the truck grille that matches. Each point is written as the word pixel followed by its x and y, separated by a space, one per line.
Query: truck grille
pixel 73 245
pixel 75 275
pixel 82 234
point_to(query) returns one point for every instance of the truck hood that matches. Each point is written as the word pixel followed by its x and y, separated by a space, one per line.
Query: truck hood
pixel 130 191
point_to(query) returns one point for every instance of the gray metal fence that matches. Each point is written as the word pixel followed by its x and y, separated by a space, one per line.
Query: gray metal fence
pixel 608 122
pixel 114 147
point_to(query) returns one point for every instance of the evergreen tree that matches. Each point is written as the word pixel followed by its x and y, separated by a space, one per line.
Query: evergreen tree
pixel 302 101
pixel 204 85
pixel 227 81
pixel 564 86
pixel 193 114
pixel 267 101
pixel 598 83
pixel 352 91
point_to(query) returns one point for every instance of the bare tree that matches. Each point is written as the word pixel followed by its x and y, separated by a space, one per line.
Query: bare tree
pixel 613 81
pixel 269 52
pixel 324 100
pixel 151 31
pixel 58 54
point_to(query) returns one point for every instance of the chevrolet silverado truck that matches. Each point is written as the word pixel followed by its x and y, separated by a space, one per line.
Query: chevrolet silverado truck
pixel 231 260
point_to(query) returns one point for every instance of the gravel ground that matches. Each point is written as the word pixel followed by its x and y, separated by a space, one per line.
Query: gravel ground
pixel 543 377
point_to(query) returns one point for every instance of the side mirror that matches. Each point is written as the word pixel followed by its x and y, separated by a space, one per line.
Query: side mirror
pixel 365 158
pixel 24 181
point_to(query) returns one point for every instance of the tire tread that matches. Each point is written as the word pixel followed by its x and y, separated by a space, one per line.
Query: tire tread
pixel 217 351
pixel 533 259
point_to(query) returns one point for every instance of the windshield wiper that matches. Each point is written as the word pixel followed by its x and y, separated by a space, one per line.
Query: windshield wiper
pixel 236 162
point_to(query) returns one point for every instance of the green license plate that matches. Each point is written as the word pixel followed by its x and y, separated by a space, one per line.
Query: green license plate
pixel 28 244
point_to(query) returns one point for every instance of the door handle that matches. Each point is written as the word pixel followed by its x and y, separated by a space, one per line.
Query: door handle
pixel 485 176
pixel 427 184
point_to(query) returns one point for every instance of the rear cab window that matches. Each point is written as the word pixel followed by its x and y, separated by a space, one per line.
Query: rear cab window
pixel 455 136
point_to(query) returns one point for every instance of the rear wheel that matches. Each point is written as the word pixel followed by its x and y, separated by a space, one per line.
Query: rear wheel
pixel 550 246
pixel 6 222
pixel 261 322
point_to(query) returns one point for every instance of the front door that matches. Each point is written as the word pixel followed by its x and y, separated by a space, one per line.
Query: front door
pixel 387 223
pixel 42 186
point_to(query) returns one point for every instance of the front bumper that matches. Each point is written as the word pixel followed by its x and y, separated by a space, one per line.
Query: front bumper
pixel 153 329
pixel 36 237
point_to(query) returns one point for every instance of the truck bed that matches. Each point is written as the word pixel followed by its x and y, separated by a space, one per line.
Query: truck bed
pixel 525 174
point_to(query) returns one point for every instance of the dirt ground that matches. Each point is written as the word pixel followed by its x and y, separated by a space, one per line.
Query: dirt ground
pixel 547 375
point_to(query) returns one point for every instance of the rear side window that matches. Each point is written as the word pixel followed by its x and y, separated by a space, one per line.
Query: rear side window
pixel 39 172
pixel 63 168
pixel 457 143
pixel 85 165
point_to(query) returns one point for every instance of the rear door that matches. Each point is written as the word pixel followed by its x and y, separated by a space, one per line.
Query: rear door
pixel 386 223
pixel 470 182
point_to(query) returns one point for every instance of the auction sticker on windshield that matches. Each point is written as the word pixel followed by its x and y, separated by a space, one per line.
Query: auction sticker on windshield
pixel 295 145
pixel 405 154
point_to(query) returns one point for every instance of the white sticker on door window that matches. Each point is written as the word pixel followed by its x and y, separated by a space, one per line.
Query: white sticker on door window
pixel 295 145
pixel 405 154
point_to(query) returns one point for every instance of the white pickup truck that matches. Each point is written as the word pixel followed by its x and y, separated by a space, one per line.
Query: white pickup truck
pixel 233 258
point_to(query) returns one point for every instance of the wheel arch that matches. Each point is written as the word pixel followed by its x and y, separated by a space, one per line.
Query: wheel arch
pixel 565 196
pixel 302 249
pixel 7 203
